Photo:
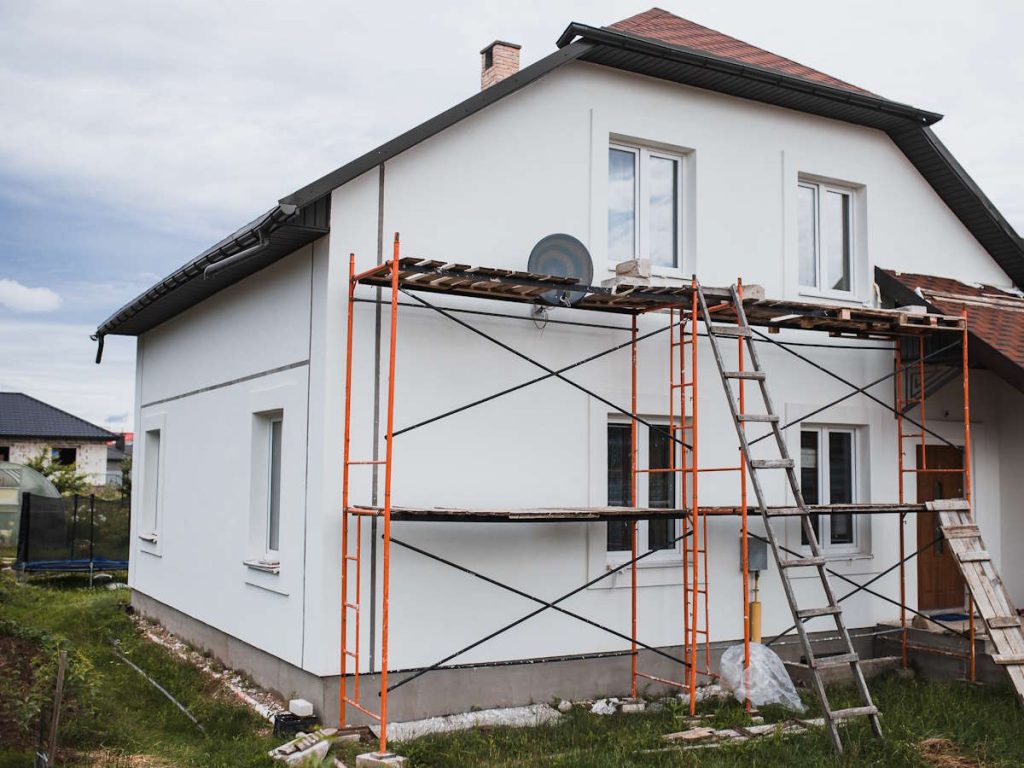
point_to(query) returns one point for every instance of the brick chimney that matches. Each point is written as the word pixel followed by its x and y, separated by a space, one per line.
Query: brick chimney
pixel 497 61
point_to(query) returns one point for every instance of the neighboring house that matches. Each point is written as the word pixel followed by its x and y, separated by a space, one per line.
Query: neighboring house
pixel 30 427
pixel 655 138
pixel 117 452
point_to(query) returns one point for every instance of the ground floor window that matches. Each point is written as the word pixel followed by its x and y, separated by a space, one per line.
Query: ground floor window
pixel 828 475
pixel 654 489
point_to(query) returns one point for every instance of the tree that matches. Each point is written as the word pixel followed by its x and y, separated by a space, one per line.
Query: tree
pixel 126 475
pixel 65 477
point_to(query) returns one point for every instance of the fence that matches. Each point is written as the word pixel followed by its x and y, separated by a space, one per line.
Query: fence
pixel 73 534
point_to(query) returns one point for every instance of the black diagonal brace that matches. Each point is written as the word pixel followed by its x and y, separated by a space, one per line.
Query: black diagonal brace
pixel 850 384
pixel 528 596
pixel 859 391
pixel 864 587
pixel 523 356
pixel 545 606
pixel 537 380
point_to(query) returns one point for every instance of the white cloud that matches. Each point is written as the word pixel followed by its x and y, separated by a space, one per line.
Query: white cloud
pixel 21 298
pixel 54 362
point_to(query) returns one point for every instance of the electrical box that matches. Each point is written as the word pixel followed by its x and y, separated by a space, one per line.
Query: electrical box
pixel 757 554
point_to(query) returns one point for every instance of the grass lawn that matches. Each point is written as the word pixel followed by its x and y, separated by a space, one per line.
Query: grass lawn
pixel 113 716
pixel 111 712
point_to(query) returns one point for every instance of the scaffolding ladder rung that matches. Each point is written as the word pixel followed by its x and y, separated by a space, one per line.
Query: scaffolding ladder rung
pixel 810 613
pixel 1005 660
pixel 802 562
pixel 961 531
pixel 1003 622
pixel 753 375
pixel 839 660
pixel 732 331
pixel 974 557
pixel 846 714
pixel 771 463
pixel 766 418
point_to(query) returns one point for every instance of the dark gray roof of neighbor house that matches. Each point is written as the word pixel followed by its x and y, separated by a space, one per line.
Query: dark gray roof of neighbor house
pixel 25 417
pixel 684 53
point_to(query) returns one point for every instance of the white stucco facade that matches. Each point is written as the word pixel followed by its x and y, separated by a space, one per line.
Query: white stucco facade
pixel 483 192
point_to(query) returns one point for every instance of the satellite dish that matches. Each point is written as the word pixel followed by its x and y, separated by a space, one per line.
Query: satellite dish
pixel 563 256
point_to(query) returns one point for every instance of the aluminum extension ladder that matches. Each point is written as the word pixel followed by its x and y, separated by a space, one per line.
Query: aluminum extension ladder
pixel 786 564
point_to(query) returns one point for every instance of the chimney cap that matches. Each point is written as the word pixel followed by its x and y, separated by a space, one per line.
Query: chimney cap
pixel 486 48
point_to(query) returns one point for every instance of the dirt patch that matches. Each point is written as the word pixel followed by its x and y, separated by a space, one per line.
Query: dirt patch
pixel 16 678
pixel 943 753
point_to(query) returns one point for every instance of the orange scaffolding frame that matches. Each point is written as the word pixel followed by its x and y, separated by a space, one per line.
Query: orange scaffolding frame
pixel 693 522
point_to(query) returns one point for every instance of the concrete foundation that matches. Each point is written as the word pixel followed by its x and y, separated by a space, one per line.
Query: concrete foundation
pixel 459 689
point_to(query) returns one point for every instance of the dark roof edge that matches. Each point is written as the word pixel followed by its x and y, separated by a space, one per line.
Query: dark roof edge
pixel 326 184
pixel 618 39
pixel 232 244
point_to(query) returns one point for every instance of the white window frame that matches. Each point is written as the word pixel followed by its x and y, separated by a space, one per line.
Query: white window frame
pixel 821 188
pixel 151 497
pixel 261 556
pixel 273 554
pixel 824 531
pixel 659 557
pixel 641 205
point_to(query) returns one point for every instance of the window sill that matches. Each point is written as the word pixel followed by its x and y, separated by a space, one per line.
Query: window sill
pixel 149 538
pixel 264 566
pixel 833 296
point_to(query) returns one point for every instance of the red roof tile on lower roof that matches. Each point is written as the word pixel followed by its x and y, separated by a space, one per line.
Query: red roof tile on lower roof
pixel 665 27
pixel 994 316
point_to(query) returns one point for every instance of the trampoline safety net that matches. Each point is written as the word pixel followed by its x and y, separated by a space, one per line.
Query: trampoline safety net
pixel 73 533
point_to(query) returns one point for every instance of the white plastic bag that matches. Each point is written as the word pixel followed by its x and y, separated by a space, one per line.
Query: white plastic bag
pixel 767 681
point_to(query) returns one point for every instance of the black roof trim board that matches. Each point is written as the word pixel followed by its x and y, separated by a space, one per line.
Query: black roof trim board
pixel 285 227
pixel 25 417
pixel 964 197
pixel 906 125
pixel 980 352
pixel 326 184
pixel 626 41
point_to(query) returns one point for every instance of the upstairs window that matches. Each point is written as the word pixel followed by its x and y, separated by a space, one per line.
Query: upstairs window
pixel 825 226
pixel 644 206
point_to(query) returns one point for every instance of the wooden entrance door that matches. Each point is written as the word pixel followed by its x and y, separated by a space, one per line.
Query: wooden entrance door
pixel 939 583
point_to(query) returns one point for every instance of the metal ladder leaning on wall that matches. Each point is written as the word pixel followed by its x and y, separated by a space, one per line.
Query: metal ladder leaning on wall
pixel 785 564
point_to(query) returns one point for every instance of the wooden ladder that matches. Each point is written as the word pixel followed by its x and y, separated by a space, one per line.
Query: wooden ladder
pixel 785 565
pixel 990 596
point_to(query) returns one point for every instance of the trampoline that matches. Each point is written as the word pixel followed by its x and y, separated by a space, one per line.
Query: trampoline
pixel 73 534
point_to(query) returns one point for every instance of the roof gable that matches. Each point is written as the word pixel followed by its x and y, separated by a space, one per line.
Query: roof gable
pixel 25 417
pixel 658 24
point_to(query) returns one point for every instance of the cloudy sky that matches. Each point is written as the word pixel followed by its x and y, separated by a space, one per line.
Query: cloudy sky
pixel 133 135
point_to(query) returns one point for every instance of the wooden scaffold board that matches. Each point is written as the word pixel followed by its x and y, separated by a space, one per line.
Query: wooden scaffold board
pixel 990 596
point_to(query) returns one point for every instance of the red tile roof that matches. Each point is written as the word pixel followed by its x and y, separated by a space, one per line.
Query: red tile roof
pixel 995 316
pixel 660 25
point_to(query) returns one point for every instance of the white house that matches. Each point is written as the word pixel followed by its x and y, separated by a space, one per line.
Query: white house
pixel 653 138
